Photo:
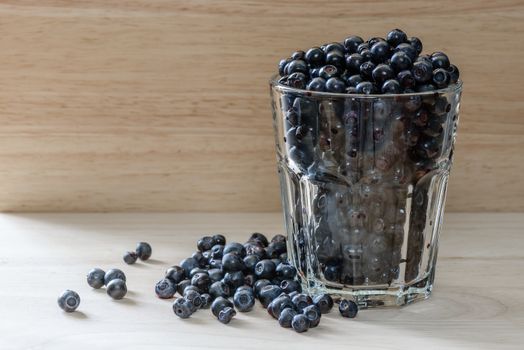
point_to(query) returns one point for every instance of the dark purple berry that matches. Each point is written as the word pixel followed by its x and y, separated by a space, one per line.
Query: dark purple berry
pixel 379 51
pixel 297 80
pixel 406 79
pixel 353 62
pixel 416 43
pixel 441 78
pixel 396 37
pixel 317 84
pixel 366 69
pixel 453 74
pixel 391 86
pixel 351 43
pixel 439 60
pixel 328 71
pixel 315 57
pixel 422 71
pixel 400 61
pixel 296 66
pixel 381 73
pixel 324 302
pixel 335 85
pixel 348 308
pixel 408 49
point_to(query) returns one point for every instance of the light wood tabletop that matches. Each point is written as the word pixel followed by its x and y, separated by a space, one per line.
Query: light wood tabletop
pixel 477 303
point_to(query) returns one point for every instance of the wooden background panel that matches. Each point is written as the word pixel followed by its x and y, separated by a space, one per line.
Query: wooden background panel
pixel 163 105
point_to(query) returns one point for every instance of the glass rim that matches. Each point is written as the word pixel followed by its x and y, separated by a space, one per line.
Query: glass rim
pixel 273 82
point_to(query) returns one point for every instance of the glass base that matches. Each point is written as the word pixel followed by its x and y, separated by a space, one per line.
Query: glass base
pixel 374 296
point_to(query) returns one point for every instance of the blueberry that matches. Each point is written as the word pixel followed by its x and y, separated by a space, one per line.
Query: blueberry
pixel 286 271
pixel 441 78
pixel 259 238
pixel 219 304
pixel 453 73
pixel 278 238
pixel 335 85
pixel 219 289
pixel 268 294
pixel 199 257
pixel 353 62
pixel 283 258
pixel 244 300
pixel 95 278
pixel 366 55
pixel 182 285
pixel 328 71
pixel 366 69
pixel 217 251
pixel 408 49
pixel 143 250
pixel 334 47
pixel 406 79
pixel 265 269
pixel 226 315
pixel 292 294
pixel 422 71
pixel 332 273
pixel 235 248
pixel 413 102
pixel 365 87
pixel 298 55
pixel 391 86
pixel 282 66
pixel 296 66
pixel 381 73
pixel 249 280
pixel 215 263
pixel 421 118
pixel 202 281
pixel 289 286
pixel 379 51
pixel 165 288
pixel 354 80
pixel 324 302
pixel 439 60
pixel 434 128
pixel 219 239
pixel 427 148
pixel 175 274
pixel 348 308
pixel 234 279
pixel 116 289
pixel 69 301
pixel 215 274
pixel 114 274
pixel 130 257
pixel 197 270
pixel 313 314
pixel 250 261
pixel 301 301
pixel 426 88
pixel 206 255
pixel 261 283
pixel 207 299
pixel 396 37
pixel 314 73
pixel 351 43
pixel 300 323
pixel 317 84
pixel 374 40
pixel 362 47
pixel 232 262
pixel 182 308
pixel 416 43
pixel 279 304
pixel 297 80
pixel 315 57
pixel 400 61
pixel 274 249
pixel 205 243
pixel 194 298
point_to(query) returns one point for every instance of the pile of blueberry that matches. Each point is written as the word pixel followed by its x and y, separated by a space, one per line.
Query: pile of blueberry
pixel 377 66
pixel 114 279
pixel 229 276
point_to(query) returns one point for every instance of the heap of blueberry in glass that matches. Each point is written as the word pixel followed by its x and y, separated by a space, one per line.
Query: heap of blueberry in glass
pixel 377 66
pixel 229 277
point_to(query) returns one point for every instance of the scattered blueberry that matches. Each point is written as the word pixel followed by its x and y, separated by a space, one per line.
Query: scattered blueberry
pixel 348 308
pixel 219 239
pixel 205 243
pixel 313 314
pixel 232 262
pixel 302 301
pixel 175 274
pixel 202 281
pixel 265 269
pixel 244 300
pixel 95 278
pixel 143 250
pixel 286 316
pixel 289 286
pixel 268 293
pixel 130 257
pixel 219 304
pixel 69 301
pixel 188 264
pixel 324 302
pixel 194 298
pixel 114 274
pixel 219 289
pixel 116 289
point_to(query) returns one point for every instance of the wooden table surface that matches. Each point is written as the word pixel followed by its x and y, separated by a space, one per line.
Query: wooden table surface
pixel 477 303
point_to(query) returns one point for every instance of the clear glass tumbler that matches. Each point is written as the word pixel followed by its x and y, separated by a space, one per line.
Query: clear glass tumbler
pixel 363 184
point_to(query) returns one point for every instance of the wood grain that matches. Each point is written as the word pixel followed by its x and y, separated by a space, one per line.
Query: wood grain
pixel 477 302
pixel 163 105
